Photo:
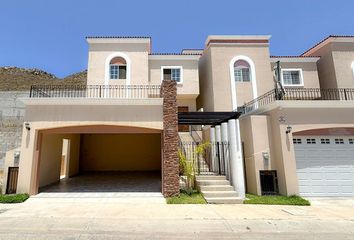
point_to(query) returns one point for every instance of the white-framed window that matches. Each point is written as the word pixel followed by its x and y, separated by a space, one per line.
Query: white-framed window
pixel 174 73
pixel 242 72
pixel 292 77
pixel 117 68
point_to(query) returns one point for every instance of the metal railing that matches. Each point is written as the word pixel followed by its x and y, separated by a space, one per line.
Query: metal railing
pixel 95 91
pixel 211 161
pixel 300 94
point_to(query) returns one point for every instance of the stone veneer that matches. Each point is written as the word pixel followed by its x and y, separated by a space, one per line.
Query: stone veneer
pixel 170 163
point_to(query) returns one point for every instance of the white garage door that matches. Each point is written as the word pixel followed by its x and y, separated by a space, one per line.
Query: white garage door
pixel 325 165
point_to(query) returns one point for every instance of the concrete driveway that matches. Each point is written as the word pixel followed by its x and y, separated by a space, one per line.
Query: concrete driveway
pixel 110 218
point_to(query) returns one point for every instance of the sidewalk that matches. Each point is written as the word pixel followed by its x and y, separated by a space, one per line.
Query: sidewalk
pixel 109 218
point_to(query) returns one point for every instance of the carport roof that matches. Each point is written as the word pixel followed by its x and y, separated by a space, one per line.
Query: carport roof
pixel 206 118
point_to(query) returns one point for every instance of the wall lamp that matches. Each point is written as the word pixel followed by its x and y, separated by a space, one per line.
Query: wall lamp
pixel 27 126
pixel 288 129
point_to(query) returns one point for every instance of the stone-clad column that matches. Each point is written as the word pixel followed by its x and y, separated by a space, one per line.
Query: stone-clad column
pixel 170 163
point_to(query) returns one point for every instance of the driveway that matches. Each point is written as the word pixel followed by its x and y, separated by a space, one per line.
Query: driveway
pixel 123 187
pixel 110 218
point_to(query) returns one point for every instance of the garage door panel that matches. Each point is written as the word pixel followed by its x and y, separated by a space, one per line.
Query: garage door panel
pixel 325 169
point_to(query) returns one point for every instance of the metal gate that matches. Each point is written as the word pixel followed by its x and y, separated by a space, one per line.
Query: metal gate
pixel 11 185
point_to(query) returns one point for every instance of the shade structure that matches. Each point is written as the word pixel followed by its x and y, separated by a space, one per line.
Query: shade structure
pixel 206 118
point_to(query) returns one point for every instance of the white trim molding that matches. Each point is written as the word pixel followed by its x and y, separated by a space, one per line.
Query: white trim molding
pixel 232 78
pixel 108 60
pixel 353 69
pixel 292 69
pixel 173 67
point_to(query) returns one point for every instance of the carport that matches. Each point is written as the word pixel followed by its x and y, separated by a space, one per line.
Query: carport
pixel 99 159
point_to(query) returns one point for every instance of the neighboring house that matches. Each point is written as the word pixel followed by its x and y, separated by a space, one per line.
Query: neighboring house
pixel 303 140
pixel 296 141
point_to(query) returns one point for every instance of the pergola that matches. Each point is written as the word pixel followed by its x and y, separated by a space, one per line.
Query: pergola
pixel 206 118
pixel 224 127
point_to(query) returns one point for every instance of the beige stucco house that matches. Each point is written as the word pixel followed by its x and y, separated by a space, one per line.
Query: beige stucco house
pixel 300 142
pixel 294 132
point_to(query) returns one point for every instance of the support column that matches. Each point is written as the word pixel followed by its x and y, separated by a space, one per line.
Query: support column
pixel 213 152
pixel 225 139
pixel 236 160
pixel 217 148
pixel 170 163
pixel 218 133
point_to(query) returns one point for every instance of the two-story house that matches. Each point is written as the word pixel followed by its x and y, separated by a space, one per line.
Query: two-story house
pixel 294 135
pixel 293 141
pixel 115 123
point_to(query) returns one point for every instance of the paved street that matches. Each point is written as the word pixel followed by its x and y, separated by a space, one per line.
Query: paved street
pixel 137 217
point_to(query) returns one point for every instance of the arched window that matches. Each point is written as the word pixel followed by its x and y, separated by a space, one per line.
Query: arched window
pixel 118 68
pixel 242 71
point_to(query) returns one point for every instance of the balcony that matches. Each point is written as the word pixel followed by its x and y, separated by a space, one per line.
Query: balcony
pixel 299 94
pixel 96 91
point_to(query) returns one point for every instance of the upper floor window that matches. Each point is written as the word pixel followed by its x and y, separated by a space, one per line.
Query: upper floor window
pixel 292 77
pixel 172 73
pixel 118 68
pixel 242 71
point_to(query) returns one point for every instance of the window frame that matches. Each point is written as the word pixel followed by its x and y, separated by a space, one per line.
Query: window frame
pixel 118 65
pixel 249 73
pixel 173 67
pixel 107 68
pixel 301 84
pixel 242 80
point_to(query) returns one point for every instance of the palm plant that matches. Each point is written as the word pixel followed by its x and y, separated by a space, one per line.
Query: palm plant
pixel 187 164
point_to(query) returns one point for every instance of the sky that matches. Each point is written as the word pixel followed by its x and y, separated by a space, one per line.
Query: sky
pixel 50 35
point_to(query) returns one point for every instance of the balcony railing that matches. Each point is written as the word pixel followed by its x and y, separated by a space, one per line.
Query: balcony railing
pixel 299 94
pixel 95 91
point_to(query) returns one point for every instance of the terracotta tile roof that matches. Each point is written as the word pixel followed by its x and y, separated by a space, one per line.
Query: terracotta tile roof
pixel 298 56
pixel 325 39
pixel 144 37
pixel 183 54
pixel 193 49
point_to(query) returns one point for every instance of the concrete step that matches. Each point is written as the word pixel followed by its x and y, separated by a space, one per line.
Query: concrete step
pixel 212 182
pixel 216 188
pixel 219 194
pixel 210 177
pixel 224 200
pixel 207 174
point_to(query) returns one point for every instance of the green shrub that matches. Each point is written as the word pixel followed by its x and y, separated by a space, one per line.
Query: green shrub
pixel 14 198
pixel 276 200
pixel 186 197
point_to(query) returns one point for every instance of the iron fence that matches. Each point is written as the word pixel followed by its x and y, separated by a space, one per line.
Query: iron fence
pixel 95 91
pixel 300 94
pixel 212 160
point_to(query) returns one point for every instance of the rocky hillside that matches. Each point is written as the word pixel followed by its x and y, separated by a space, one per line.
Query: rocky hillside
pixel 17 79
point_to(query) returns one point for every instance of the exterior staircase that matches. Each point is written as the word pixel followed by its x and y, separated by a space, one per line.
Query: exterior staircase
pixel 216 189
